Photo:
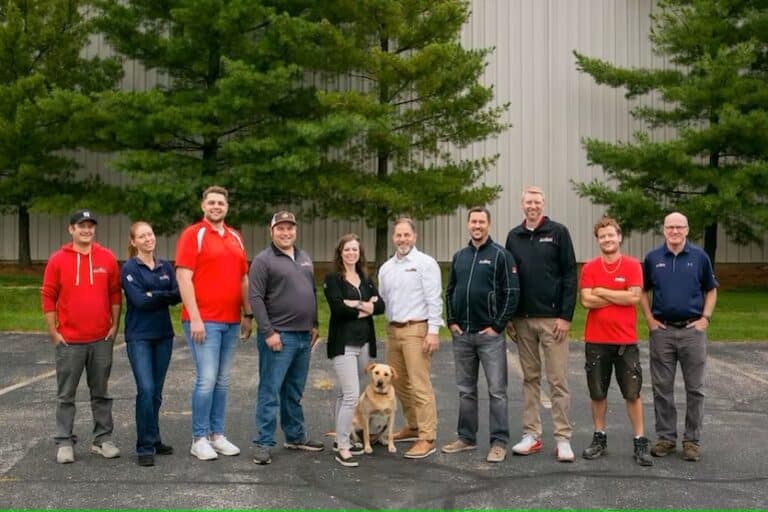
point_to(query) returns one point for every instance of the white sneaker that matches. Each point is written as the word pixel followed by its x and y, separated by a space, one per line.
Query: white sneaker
pixel 529 444
pixel 108 450
pixel 224 447
pixel 203 450
pixel 65 455
pixel 563 451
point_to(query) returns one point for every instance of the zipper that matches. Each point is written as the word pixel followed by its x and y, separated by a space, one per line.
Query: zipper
pixel 469 282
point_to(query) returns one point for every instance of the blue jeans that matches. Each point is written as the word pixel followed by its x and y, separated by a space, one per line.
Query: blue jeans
pixel 213 359
pixel 282 376
pixel 149 362
pixel 469 351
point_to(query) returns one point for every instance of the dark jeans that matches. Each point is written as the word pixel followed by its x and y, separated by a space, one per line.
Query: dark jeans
pixel 282 376
pixel 469 351
pixel 149 362
pixel 71 359
pixel 667 347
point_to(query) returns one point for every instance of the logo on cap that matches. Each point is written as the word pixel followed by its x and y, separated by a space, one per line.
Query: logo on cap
pixel 283 216
pixel 82 215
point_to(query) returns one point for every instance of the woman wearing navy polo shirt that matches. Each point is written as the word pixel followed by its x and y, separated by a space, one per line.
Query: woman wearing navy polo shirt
pixel 150 288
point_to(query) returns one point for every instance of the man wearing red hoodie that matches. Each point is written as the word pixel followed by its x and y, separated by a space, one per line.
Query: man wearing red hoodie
pixel 81 302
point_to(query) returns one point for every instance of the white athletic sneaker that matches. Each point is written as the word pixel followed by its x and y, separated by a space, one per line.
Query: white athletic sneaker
pixel 563 451
pixel 529 444
pixel 65 455
pixel 224 447
pixel 203 450
pixel 107 449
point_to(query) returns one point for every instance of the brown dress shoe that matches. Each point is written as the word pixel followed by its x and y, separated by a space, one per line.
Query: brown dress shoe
pixel 663 447
pixel 406 434
pixel 420 449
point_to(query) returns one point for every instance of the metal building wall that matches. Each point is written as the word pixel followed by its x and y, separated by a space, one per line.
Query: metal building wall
pixel 552 106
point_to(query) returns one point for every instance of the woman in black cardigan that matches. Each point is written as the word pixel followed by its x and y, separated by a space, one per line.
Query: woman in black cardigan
pixel 353 300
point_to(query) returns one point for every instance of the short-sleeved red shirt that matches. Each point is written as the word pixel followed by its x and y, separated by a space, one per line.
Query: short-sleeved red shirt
pixel 612 323
pixel 218 263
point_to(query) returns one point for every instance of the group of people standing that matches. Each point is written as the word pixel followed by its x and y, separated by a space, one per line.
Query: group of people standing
pixel 527 288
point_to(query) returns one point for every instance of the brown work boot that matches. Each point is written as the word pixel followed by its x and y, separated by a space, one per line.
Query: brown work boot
pixel 406 434
pixel 420 449
pixel 663 447
pixel 691 451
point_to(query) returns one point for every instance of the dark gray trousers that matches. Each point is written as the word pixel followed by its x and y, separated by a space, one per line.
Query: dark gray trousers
pixel 667 347
pixel 71 360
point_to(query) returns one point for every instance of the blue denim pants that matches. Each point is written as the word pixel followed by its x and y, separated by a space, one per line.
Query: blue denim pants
pixel 469 351
pixel 213 359
pixel 282 376
pixel 149 362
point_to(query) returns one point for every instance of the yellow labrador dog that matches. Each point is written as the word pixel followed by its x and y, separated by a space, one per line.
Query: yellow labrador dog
pixel 375 409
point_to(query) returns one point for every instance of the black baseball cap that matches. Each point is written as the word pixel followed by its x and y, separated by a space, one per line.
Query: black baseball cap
pixel 81 215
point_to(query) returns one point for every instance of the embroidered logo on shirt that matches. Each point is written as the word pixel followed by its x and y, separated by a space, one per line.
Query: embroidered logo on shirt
pixel 412 269
pixel 484 262
pixel 620 279
pixel 546 239
pixel 306 264
pixel 661 264
pixel 164 277
pixel 129 278
pixel 99 270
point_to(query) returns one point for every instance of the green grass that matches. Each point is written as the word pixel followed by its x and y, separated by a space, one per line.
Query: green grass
pixel 741 314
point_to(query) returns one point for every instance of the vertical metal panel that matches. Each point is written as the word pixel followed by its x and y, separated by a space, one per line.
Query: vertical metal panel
pixel 552 107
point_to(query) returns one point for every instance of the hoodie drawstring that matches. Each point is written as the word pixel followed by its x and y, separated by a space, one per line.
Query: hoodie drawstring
pixel 90 269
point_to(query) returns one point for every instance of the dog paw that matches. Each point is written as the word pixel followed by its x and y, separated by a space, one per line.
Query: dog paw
pixel 368 450
pixel 392 449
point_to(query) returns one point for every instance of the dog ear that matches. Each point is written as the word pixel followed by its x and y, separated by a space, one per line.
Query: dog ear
pixel 369 367
pixel 394 372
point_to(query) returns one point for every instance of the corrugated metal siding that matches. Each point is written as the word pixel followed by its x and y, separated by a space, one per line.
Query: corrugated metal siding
pixel 552 106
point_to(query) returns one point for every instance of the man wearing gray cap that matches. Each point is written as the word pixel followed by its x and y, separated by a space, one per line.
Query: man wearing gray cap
pixel 81 301
pixel 282 297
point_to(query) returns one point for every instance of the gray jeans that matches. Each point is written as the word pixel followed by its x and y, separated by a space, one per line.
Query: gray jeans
pixel 349 367
pixel 667 347
pixel 71 359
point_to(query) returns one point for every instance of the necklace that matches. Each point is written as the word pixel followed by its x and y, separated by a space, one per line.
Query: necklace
pixel 611 268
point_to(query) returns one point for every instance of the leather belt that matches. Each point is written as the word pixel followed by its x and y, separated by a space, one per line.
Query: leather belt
pixel 678 324
pixel 407 323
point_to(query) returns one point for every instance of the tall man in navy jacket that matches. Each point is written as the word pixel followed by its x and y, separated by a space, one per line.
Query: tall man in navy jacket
pixel 546 265
pixel 481 297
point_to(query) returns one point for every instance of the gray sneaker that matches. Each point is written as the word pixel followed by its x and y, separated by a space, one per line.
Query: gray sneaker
pixel 261 455
pixel 308 445
pixel 107 449
pixel 65 455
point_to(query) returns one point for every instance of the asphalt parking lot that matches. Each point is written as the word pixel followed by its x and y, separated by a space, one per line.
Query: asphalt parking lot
pixel 733 472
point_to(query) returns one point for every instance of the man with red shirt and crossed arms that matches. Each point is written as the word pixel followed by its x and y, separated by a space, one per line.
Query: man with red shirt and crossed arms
pixel 610 287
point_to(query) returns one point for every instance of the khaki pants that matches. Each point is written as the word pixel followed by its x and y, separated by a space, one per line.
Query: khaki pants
pixel 533 333
pixel 413 385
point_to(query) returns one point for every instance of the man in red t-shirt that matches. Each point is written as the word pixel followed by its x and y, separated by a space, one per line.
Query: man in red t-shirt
pixel 212 272
pixel 610 287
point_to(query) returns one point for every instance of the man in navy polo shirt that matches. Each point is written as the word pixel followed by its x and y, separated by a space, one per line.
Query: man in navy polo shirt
pixel 684 287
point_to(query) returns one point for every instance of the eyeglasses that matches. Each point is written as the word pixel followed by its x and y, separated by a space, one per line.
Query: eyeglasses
pixel 675 228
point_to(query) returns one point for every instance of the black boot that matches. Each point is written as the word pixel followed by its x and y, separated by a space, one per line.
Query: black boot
pixel 642 456
pixel 598 446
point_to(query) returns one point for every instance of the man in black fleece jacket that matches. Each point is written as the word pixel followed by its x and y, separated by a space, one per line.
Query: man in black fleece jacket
pixel 481 297
pixel 547 270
